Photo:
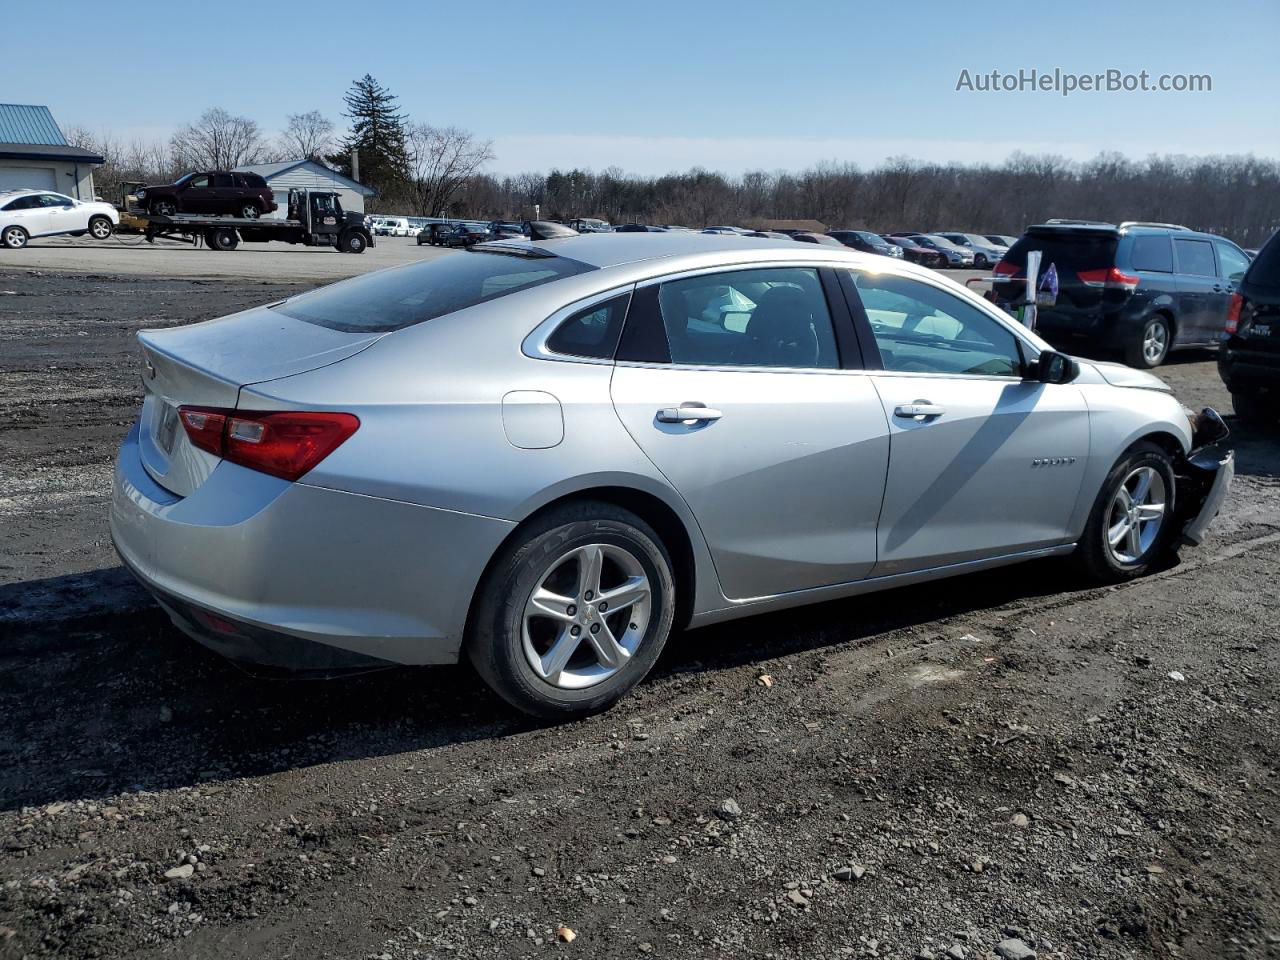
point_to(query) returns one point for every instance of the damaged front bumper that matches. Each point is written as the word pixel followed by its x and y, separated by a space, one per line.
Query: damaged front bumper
pixel 1204 475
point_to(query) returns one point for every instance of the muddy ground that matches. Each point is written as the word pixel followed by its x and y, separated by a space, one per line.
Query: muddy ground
pixel 927 772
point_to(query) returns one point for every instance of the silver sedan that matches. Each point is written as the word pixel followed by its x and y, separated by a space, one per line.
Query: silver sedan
pixel 548 456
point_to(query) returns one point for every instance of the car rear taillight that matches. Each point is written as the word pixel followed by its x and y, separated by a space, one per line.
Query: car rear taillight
pixel 285 444
pixel 1004 268
pixel 1109 278
pixel 1233 313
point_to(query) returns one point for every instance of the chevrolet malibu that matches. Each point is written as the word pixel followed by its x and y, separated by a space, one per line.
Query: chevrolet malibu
pixel 547 456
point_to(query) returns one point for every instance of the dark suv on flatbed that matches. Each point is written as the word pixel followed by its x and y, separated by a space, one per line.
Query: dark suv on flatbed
pixel 216 193
pixel 1249 359
pixel 1138 289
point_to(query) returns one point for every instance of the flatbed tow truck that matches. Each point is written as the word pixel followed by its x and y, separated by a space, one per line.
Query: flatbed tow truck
pixel 315 219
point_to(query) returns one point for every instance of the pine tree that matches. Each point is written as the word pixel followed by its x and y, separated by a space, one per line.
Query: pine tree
pixel 378 133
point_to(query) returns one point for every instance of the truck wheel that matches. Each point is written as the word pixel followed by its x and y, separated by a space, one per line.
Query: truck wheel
pixel 222 239
pixel 250 211
pixel 164 208
pixel 353 243
pixel 99 228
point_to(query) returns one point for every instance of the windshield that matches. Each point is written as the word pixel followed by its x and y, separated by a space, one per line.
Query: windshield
pixel 183 179
pixel 398 298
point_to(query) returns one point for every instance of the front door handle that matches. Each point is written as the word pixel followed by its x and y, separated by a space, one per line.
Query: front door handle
pixel 919 410
pixel 688 412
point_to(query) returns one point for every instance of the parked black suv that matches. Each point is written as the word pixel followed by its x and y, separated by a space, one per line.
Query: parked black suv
pixel 1140 289
pixel 1249 360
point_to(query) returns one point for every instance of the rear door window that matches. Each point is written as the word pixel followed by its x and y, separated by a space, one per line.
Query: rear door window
pixel 768 317
pixel 1195 258
pixel 394 299
pixel 1153 254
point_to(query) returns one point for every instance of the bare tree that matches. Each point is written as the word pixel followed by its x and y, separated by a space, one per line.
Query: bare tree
pixel 218 141
pixel 308 135
pixel 442 160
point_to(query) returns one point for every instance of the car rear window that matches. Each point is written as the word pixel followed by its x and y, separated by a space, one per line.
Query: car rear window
pixel 1071 251
pixel 1265 270
pixel 395 299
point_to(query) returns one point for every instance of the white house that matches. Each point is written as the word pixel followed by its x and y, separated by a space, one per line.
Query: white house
pixel 310 175
pixel 34 155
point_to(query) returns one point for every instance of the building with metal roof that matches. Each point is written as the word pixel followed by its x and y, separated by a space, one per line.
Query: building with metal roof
pixel 34 155
pixel 309 175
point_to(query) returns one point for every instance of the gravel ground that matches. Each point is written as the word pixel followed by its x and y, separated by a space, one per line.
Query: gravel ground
pixel 1001 765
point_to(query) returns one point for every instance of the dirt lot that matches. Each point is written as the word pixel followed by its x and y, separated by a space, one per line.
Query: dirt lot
pixel 929 772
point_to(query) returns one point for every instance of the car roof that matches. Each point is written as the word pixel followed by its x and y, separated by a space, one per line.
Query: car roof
pixel 679 251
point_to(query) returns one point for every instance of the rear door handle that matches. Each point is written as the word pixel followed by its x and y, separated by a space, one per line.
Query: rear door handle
pixel 688 411
pixel 920 410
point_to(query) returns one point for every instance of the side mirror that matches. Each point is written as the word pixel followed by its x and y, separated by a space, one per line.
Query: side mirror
pixel 1055 367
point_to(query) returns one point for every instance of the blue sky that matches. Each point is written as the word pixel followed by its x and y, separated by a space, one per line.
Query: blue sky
pixel 656 86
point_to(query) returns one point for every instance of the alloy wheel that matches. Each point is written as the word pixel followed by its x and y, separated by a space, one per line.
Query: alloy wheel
pixel 100 229
pixel 250 212
pixel 14 238
pixel 1155 342
pixel 587 616
pixel 1136 515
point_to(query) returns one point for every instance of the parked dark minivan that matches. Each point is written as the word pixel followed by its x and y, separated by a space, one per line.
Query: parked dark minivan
pixel 216 193
pixel 1139 289
pixel 1249 359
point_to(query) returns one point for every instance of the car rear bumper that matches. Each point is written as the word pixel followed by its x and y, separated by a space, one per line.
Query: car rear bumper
pixel 301 577
pixel 1249 370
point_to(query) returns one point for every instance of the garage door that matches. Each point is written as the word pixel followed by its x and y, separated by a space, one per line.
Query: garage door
pixel 28 178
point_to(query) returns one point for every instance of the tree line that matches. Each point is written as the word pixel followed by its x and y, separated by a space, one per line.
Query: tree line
pixel 420 169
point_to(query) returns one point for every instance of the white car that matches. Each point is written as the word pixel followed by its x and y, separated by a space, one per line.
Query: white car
pixel 40 213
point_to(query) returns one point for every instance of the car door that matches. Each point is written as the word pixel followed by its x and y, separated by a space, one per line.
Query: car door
pixel 196 196
pixel 732 384
pixel 61 215
pixel 982 463
pixel 1201 303
pixel 1233 263
pixel 29 213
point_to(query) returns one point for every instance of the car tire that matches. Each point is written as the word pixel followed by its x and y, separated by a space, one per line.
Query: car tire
pixel 15 238
pixel 1098 555
pixel 980 261
pixel 100 227
pixel 163 208
pixel 354 242
pixel 1254 409
pixel 250 211
pixel 1151 346
pixel 508 634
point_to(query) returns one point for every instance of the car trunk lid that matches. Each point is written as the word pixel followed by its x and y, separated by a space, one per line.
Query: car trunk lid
pixel 206 364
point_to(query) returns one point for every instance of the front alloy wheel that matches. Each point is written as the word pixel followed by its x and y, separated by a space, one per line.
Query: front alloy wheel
pixel 1137 515
pixel 1131 526
pixel 100 228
